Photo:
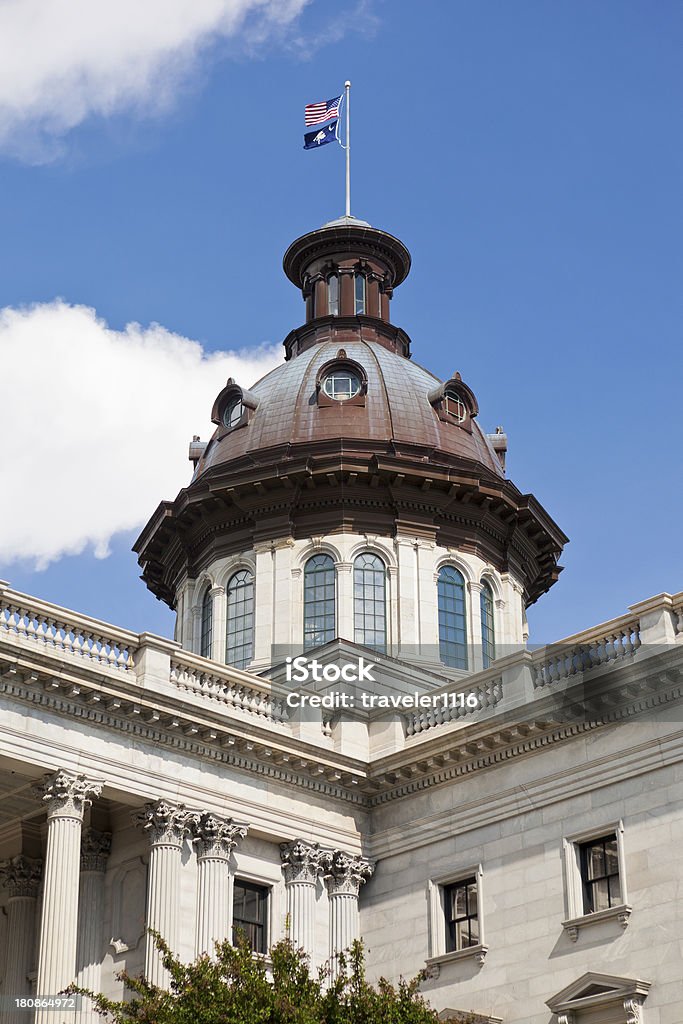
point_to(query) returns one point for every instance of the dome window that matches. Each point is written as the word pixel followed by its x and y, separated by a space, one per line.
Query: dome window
pixel 342 384
pixel 454 402
pixel 341 380
pixel 233 408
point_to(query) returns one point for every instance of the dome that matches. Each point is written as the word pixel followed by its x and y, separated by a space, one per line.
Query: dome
pixel 348 435
pixel 396 417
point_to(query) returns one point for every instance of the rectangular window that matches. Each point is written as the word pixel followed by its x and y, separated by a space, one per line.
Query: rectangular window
pixel 600 874
pixel 250 914
pixel 359 281
pixel 461 905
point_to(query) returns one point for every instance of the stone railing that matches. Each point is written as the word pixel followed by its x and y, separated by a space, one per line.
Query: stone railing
pixel 47 626
pixel 488 693
pixel 194 674
pixel 619 640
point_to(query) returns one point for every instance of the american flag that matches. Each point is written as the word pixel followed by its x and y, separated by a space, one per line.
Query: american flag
pixel 316 113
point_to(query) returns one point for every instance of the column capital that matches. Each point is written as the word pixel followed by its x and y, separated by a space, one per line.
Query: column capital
pixel 215 836
pixel 166 823
pixel 21 876
pixel 344 873
pixel 95 849
pixel 302 861
pixel 65 794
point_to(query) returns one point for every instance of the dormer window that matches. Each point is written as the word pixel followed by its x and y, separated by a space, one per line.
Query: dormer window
pixel 233 408
pixel 454 402
pixel 342 384
pixel 333 295
pixel 341 380
pixel 233 413
pixel 360 289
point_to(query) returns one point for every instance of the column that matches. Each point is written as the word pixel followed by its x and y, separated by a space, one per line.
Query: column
pixel 21 876
pixel 215 838
pixel 344 875
pixel 66 797
pixel 301 864
pixel 166 825
pixel 95 848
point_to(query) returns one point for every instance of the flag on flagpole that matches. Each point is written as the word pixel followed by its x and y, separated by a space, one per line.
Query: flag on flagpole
pixel 312 140
pixel 317 113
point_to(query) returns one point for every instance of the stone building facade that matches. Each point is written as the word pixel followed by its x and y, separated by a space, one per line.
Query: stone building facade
pixel 505 817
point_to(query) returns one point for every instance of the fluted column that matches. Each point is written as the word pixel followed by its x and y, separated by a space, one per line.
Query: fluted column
pixel 21 877
pixel 166 825
pixel 66 797
pixel 301 864
pixel 215 838
pixel 344 875
pixel 95 847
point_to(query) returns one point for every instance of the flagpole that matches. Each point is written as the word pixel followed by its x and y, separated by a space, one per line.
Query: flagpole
pixel 347 88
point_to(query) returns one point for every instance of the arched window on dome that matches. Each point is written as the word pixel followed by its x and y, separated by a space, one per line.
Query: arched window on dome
pixel 452 618
pixel 370 601
pixel 333 295
pixel 206 631
pixel 239 648
pixel 319 601
pixel 360 289
pixel 488 635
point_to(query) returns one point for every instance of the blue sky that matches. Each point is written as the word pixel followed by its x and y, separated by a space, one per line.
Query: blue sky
pixel 528 153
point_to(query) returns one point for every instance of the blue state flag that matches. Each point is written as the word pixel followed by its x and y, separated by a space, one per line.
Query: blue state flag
pixel 321 137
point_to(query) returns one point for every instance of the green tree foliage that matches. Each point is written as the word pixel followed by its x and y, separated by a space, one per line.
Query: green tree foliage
pixel 234 988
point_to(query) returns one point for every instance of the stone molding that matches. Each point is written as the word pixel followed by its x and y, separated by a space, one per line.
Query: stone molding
pixel 215 837
pixel 302 862
pixel 95 850
pixel 166 823
pixel 21 876
pixel 66 795
pixel 344 873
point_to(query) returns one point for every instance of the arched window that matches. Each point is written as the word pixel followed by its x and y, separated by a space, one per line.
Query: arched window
pixel 333 295
pixel 369 601
pixel 452 618
pixel 206 634
pixel 488 636
pixel 319 582
pixel 359 286
pixel 240 622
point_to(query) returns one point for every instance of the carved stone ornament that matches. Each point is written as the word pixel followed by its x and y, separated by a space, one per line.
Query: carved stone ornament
pixel 95 849
pixel 66 795
pixel 632 1009
pixel 215 836
pixel 344 874
pixel 21 876
pixel 165 823
pixel 301 861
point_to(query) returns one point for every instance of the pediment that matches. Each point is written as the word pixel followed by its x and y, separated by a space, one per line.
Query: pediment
pixel 593 990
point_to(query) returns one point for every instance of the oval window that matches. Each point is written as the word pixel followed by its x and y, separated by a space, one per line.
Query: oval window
pixel 342 384
pixel 233 413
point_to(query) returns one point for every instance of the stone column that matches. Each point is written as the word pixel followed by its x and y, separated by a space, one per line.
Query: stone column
pixel 66 797
pixel 301 864
pixel 215 839
pixel 344 874
pixel 95 848
pixel 21 877
pixel 166 825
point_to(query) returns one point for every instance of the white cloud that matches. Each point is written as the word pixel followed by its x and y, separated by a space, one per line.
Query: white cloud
pixel 62 61
pixel 95 424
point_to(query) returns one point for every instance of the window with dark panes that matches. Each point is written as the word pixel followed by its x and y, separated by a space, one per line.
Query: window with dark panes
pixel 600 874
pixel 461 902
pixel 250 914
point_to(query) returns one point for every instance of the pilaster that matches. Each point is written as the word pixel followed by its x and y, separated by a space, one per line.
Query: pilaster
pixel 95 849
pixel 218 624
